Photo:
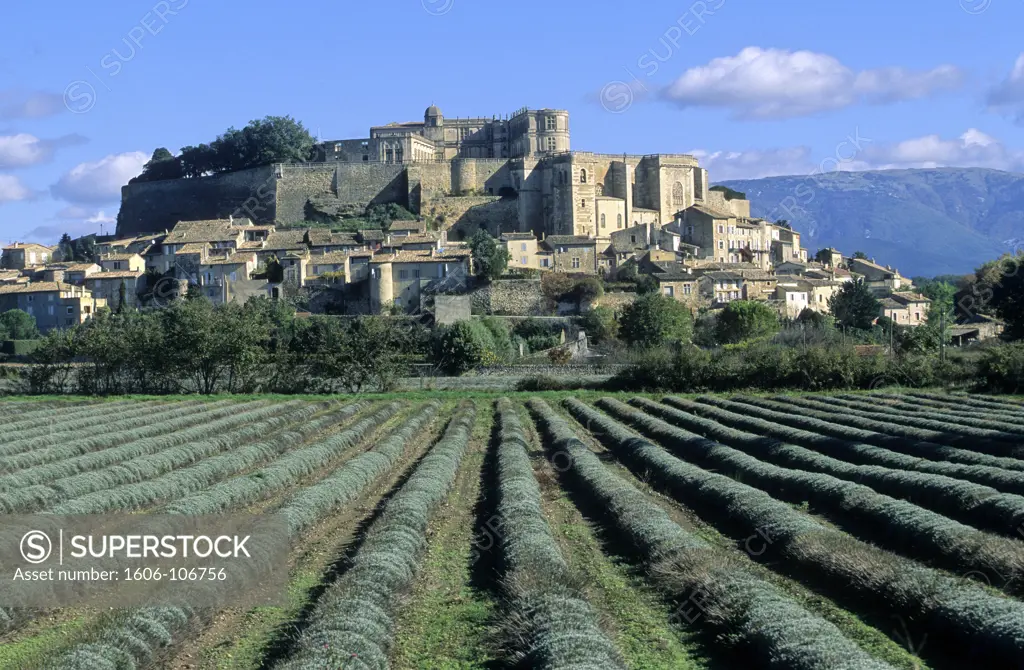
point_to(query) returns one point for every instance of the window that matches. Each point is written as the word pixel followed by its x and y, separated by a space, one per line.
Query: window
pixel 30 310
pixel 49 297
pixel 575 262
pixel 721 229
pixel 678 198
pixel 49 310
pixel 117 265
pixel 523 260
pixel 416 273
pixel 403 274
pixel 603 222
pixel 583 176
pixel 552 144
pixel 721 245
pixel 522 247
pixel 71 310
pixel 620 221
pixel 687 289
pixel 551 123
pixel 632 239
pixel 669 291
pixel 917 316
pixel 544 262
pixel 583 204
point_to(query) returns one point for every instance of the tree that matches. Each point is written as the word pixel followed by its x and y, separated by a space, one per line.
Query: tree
pixel 812 318
pixel 860 255
pixel 1007 293
pixel 66 246
pixel 600 325
pixel 743 320
pixel 490 259
pixel 784 223
pixel 654 319
pixel 941 314
pixel 163 165
pixel 730 194
pixel 854 306
pixel 122 298
pixel 18 325
pixel 587 290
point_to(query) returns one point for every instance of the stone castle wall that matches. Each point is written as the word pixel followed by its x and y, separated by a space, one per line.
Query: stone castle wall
pixel 511 296
pixel 155 206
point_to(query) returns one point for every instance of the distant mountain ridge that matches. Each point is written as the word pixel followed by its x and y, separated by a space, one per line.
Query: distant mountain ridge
pixel 921 221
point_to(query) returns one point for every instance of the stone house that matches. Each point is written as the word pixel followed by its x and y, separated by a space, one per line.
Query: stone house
pixel 107 285
pixel 572 253
pixel 792 298
pixel 52 304
pixel 401 228
pixel 123 263
pixel 906 308
pixel 680 286
pixel 720 288
pixel 522 250
pixel 402 278
pixel 333 265
pixel 22 256
pixel 77 273
pixel 819 292
pixel 785 245
pixel 881 280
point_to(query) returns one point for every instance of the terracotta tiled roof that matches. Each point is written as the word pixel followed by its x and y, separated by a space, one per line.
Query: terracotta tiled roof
pixel 232 259
pixel 36 287
pixel 909 296
pixel 710 211
pixel 27 245
pixel 333 258
pixel 422 256
pixel 82 267
pixel 118 257
pixel 192 249
pixel 119 274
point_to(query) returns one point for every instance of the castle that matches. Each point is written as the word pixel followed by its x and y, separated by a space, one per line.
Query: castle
pixel 515 173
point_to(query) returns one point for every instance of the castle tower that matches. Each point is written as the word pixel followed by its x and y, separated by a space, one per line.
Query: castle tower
pixel 433 124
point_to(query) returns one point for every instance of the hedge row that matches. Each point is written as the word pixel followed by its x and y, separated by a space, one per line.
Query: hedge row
pixel 745 609
pixel 816 434
pixel 132 640
pixel 555 628
pixel 920 411
pixel 41 496
pixel 94 460
pixel 974 504
pixel 345 483
pixel 975 439
pixel 282 472
pixel 955 611
pixel 886 434
pixel 354 617
pixel 50 430
pixel 893 523
pixel 954 407
pixel 20 466
pixel 179 483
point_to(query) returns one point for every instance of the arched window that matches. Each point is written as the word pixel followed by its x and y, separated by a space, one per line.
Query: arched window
pixel 698 185
pixel 583 176
pixel 602 221
pixel 677 194
pixel 619 222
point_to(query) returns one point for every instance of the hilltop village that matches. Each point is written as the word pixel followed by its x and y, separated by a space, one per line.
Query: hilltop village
pixel 552 209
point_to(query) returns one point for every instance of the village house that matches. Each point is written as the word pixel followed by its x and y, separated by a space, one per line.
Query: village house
pixel 123 263
pixel 107 285
pixel 571 253
pixel 819 292
pixel 402 278
pixel 906 308
pixel 22 256
pixel 882 281
pixel 679 285
pixel 720 288
pixel 792 298
pixel 522 250
pixel 52 304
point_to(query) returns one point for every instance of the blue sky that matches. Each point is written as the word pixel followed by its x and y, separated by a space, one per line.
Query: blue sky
pixel 88 90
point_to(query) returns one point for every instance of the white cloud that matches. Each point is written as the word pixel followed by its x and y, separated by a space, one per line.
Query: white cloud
pixel 18 104
pixel 12 189
pixel 971 149
pixel 776 83
pixel 74 220
pixel 99 181
pixel 23 150
pixel 1008 96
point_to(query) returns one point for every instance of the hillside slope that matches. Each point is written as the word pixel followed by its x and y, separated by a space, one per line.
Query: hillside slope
pixel 924 221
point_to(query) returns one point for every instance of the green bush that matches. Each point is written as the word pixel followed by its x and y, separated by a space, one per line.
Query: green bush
pixel 743 320
pixel 19 347
pixel 600 325
pixel 653 320
pixel 1002 368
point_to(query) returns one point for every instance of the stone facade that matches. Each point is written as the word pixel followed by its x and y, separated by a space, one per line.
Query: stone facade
pixel 511 296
